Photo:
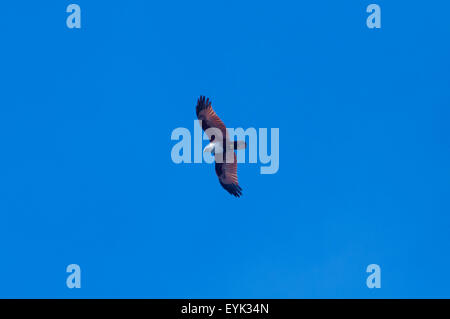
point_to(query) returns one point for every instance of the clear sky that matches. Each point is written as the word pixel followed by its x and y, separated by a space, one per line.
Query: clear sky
pixel 86 175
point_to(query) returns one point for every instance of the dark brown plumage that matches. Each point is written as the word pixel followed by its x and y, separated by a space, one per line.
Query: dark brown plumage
pixel 226 163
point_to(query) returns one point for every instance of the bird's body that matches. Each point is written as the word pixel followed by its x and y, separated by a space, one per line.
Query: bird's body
pixel 220 146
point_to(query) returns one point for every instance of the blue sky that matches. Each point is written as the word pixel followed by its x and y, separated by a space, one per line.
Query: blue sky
pixel 86 175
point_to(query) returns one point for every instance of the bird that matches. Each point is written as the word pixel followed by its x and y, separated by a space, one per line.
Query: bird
pixel 220 146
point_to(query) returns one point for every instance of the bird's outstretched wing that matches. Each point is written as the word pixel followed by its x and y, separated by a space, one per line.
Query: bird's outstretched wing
pixel 209 118
pixel 227 174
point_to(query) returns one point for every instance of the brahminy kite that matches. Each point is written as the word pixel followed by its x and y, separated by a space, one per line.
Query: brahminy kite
pixel 225 157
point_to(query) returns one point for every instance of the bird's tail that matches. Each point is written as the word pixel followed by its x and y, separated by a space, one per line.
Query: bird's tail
pixel 239 145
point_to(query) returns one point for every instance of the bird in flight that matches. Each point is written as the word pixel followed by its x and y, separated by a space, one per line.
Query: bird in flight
pixel 220 146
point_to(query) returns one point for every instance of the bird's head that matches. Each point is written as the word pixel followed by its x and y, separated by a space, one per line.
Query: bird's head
pixel 210 148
